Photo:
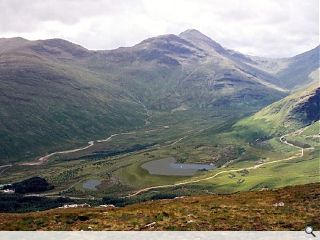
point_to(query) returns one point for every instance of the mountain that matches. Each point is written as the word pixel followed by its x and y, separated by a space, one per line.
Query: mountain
pixel 55 94
pixel 184 70
pixel 292 73
pixel 302 70
pixel 295 111
pixel 46 103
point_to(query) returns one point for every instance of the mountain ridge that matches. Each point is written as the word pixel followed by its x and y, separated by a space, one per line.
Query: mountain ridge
pixel 66 86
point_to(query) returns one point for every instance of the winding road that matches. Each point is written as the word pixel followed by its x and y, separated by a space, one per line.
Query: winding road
pixel 45 158
pixel 5 167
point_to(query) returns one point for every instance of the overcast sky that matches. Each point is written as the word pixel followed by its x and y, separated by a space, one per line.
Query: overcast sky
pixel 274 28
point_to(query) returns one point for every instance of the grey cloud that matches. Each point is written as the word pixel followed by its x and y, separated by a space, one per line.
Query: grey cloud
pixel 265 27
pixel 25 15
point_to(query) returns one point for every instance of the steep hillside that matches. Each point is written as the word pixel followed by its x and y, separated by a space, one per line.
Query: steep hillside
pixel 291 113
pixel 46 104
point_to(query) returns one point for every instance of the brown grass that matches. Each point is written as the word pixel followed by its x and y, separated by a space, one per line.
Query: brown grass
pixel 239 211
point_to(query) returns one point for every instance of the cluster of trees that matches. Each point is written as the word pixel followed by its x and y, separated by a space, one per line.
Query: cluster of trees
pixel 30 185
pixel 164 196
pixel 120 202
pixel 20 203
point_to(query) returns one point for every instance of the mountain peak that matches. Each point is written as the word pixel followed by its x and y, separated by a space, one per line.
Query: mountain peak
pixel 7 44
pixel 194 34
pixel 197 38
pixel 166 39
pixel 57 47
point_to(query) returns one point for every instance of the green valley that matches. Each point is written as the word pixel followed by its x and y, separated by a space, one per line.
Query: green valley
pixel 208 121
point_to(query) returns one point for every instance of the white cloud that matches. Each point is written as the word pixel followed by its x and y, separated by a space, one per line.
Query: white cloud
pixel 264 27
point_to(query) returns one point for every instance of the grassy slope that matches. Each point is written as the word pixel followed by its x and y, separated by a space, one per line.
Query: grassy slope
pixel 240 211
pixel 282 116
pixel 46 104
pixel 298 171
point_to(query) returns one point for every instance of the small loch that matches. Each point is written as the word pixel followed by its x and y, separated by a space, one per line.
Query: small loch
pixel 169 167
pixel 91 184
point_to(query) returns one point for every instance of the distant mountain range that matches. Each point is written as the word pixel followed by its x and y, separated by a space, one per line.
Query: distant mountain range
pixel 55 93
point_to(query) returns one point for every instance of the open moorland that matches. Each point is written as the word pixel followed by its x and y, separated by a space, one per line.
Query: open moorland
pixel 289 208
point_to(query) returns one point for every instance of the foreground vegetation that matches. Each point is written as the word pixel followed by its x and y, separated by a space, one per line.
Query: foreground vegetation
pixel 289 208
